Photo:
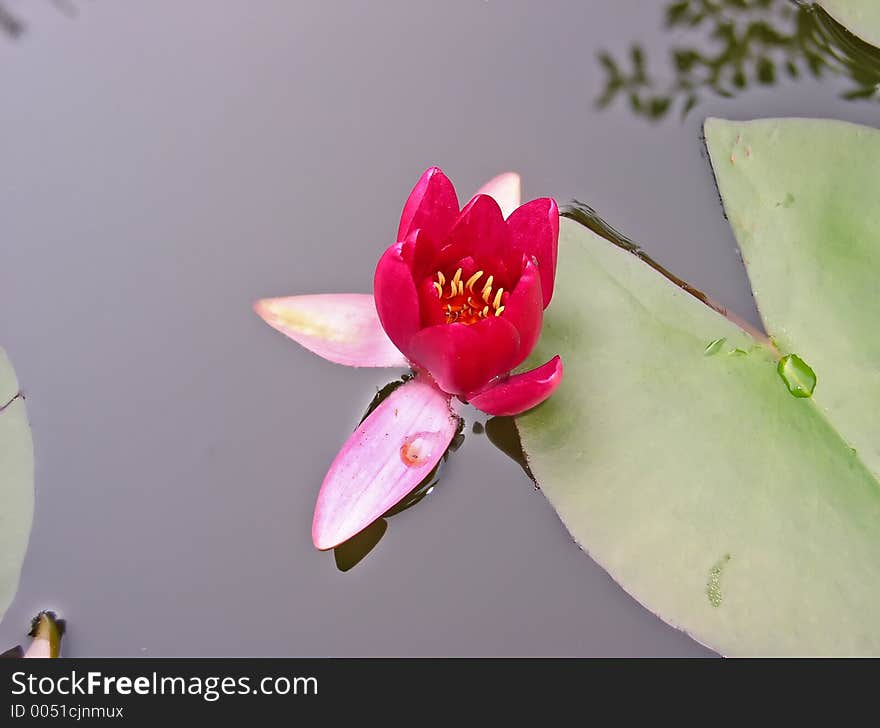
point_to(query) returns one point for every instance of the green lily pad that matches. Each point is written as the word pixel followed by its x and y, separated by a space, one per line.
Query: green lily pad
pixel 813 264
pixel 16 482
pixel 742 514
pixel 860 17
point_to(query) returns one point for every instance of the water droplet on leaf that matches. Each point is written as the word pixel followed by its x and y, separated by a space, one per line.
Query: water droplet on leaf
pixel 418 448
pixel 797 375
pixel 713 347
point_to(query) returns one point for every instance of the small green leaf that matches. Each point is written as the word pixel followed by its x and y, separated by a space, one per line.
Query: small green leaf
pixel 658 106
pixel 859 93
pixel 676 13
pixel 609 64
pixel 765 70
pixel 638 60
pixel 689 104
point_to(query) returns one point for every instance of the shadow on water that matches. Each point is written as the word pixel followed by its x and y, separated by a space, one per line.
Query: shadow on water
pixel 733 44
pixel 502 433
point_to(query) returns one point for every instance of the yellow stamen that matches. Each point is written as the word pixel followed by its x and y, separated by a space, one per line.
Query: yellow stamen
pixel 487 289
pixel 497 302
pixel 439 289
pixel 441 279
pixel 453 284
pixel 484 312
pixel 499 310
pixel 472 280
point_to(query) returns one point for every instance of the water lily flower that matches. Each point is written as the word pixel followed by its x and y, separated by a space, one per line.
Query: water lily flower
pixel 46 631
pixel 459 298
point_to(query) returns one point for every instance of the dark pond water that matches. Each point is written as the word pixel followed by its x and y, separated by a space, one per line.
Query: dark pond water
pixel 166 163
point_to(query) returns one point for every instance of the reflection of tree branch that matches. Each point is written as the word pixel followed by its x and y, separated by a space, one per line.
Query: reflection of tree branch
pixel 9 24
pixel 14 27
pixel 752 40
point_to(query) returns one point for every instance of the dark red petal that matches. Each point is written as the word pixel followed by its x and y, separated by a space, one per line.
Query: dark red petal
pixel 419 252
pixel 464 358
pixel 534 232
pixel 432 206
pixel 479 232
pixel 525 310
pixel 397 302
pixel 521 391
pixel 430 306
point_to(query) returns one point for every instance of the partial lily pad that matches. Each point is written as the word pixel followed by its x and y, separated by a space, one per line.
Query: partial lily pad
pixel 860 17
pixel 814 265
pixel 732 509
pixel 16 482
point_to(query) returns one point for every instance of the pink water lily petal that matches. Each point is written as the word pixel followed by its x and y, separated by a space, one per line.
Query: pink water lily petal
pixel 506 189
pixel 432 206
pixel 523 308
pixel 521 391
pixel 463 358
pixel 534 232
pixel 341 327
pixel 397 300
pixel 386 457
pixel 40 648
pixel 479 232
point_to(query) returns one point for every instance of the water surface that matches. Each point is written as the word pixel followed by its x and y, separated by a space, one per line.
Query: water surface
pixel 165 164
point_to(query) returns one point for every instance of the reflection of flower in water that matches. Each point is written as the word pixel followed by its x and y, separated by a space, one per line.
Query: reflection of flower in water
pixel 748 41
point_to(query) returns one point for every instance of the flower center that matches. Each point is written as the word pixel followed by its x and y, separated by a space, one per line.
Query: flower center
pixel 470 301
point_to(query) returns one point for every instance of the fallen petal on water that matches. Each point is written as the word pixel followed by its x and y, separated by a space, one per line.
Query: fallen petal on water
pixel 385 458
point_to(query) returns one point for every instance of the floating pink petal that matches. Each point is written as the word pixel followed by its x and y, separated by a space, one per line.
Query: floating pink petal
pixel 385 458
pixel 506 189
pixel 341 327
pixel 521 391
